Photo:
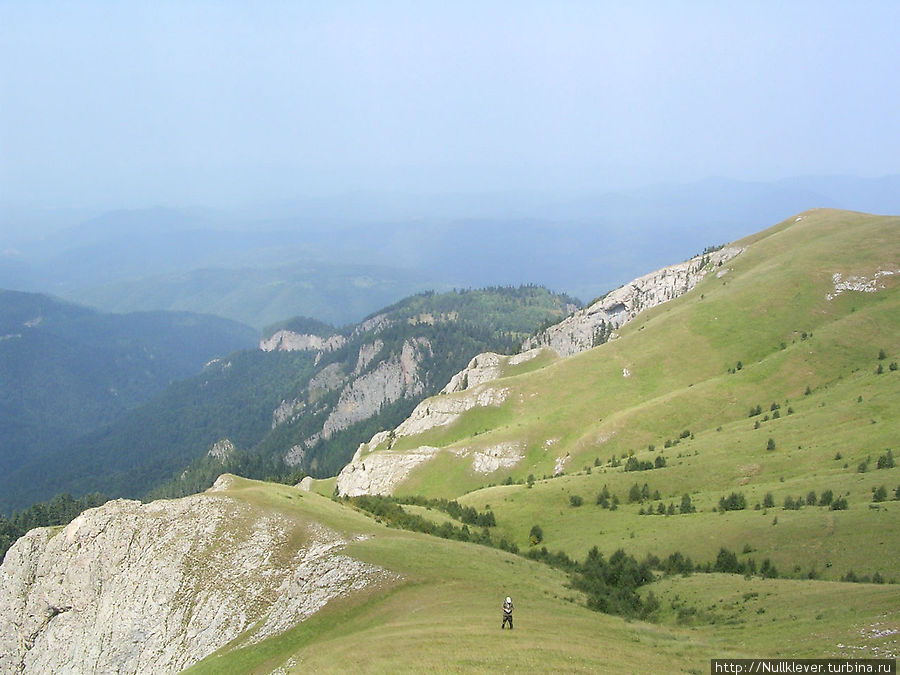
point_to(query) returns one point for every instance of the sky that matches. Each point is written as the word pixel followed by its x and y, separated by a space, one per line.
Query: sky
pixel 127 104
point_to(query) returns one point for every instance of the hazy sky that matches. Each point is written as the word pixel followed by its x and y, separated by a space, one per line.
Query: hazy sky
pixel 132 103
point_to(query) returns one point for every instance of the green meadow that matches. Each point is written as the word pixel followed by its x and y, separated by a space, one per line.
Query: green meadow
pixel 761 389
pixel 442 612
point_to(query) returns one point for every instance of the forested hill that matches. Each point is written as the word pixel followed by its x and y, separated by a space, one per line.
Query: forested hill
pixel 66 369
pixel 289 410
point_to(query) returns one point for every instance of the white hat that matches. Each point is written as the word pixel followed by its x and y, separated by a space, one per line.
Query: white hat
pixel 508 599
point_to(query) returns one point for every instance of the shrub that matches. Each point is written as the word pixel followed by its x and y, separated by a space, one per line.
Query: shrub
pixel 811 498
pixel 536 536
pixel 660 461
pixel 768 500
pixel 770 445
pixel 886 461
pixel 687 506
pixel 726 561
pixel 575 500
pixel 611 586
pixel 826 498
pixel 677 563
pixel 733 502
pixel 634 464
pixel 634 494
pixel 880 494
pixel 768 570
pixel 603 498
pixel 839 504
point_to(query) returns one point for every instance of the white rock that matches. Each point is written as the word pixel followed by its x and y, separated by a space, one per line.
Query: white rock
pixel 380 472
pixel 134 588
pixel 288 341
pixel 578 332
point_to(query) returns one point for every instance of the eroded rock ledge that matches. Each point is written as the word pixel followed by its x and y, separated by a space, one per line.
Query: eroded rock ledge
pixel 135 588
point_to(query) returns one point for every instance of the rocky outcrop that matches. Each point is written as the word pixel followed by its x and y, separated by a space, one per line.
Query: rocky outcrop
pixel 484 368
pixel 859 284
pixel 367 352
pixel 329 378
pixel 588 327
pixel 288 341
pixel 493 458
pixel 381 472
pixel 134 588
pixel 387 383
pixel 221 450
pixel 443 410
pixel 287 411
pixel 385 469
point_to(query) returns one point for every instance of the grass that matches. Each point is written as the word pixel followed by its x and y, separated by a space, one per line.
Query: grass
pixel 815 358
pixel 442 613
pixel 771 313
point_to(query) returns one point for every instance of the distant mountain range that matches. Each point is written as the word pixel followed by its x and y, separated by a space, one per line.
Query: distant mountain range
pixel 340 259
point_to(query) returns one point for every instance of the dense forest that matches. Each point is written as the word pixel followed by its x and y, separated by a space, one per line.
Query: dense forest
pixel 161 448
pixel 66 370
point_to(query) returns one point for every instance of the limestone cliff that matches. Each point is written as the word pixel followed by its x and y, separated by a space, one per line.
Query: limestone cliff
pixel 371 472
pixel 134 588
pixel 288 341
pixel 587 327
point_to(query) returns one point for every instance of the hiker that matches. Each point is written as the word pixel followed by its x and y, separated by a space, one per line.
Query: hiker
pixel 507 613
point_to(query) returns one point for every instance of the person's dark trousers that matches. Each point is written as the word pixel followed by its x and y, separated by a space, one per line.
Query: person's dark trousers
pixel 507 619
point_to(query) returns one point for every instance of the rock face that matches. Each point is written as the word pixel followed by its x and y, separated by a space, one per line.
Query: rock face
pixel 133 588
pixel 484 368
pixel 388 382
pixel 588 327
pixel 222 450
pixel 380 472
pixel 288 341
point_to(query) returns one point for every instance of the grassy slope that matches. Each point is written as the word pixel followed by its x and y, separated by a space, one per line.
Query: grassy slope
pixel 443 614
pixel 678 356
